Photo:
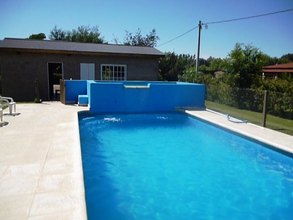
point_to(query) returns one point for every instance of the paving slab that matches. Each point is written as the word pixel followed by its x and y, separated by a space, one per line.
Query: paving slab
pixel 40 163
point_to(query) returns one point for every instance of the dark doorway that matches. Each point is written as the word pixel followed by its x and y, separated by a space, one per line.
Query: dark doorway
pixel 0 81
pixel 55 74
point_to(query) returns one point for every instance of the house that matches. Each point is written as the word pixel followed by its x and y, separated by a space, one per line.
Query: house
pixel 28 67
pixel 278 71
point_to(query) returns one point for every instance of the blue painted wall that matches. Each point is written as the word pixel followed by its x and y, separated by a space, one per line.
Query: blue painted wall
pixel 115 97
pixel 73 88
pixel 158 97
pixel 88 87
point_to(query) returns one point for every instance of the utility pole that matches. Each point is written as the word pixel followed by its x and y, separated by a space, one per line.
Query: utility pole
pixel 198 45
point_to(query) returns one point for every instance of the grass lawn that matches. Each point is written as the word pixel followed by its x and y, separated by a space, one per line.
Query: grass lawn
pixel 273 122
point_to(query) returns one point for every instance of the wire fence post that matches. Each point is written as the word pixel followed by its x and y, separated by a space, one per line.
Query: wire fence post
pixel 264 108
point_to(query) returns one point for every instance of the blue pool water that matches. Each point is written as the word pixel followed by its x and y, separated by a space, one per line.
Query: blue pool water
pixel 173 166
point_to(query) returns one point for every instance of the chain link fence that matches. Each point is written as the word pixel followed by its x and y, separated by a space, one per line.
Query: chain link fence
pixel 249 104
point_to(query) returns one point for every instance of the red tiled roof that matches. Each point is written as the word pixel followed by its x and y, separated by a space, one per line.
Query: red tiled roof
pixel 279 68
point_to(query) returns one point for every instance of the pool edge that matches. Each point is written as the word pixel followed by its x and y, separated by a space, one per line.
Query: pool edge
pixel 248 130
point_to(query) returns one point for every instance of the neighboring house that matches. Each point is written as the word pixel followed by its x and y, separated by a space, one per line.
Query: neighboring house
pixel 278 71
pixel 30 65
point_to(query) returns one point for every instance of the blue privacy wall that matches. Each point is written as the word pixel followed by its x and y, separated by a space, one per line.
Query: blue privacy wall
pixel 88 87
pixel 134 97
pixel 73 88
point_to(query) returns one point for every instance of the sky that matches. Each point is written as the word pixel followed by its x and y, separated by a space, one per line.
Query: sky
pixel 272 34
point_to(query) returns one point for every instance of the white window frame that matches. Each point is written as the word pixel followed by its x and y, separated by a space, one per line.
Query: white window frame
pixel 115 73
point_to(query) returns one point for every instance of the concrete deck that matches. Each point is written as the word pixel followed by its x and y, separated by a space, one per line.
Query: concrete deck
pixel 40 160
pixel 40 163
pixel 274 138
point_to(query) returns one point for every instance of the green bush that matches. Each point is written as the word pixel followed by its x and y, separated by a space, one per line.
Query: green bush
pixel 240 85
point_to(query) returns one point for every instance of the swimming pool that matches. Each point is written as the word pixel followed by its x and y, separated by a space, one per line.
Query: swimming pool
pixel 174 166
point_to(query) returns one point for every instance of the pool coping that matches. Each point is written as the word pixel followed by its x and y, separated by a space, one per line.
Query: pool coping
pixel 274 139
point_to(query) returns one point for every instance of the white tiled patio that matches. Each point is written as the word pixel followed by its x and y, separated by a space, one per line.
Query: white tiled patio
pixel 40 163
pixel 40 160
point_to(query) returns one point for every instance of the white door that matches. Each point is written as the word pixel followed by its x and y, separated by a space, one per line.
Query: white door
pixel 91 71
pixel 87 71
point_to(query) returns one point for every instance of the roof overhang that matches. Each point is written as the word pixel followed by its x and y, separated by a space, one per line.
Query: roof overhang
pixel 279 68
pixel 62 47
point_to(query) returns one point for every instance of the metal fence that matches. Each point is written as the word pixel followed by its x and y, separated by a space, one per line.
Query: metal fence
pixel 252 105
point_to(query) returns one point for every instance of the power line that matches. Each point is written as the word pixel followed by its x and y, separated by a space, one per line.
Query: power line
pixel 226 21
pixel 175 38
pixel 247 17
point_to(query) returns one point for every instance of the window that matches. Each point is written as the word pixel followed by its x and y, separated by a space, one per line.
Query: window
pixel 113 72
pixel 87 71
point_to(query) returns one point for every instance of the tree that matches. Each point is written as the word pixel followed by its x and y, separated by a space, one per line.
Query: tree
pixel 267 60
pixel 173 65
pixel 81 34
pixel 150 40
pixel 40 36
pixel 85 34
pixel 57 34
pixel 247 62
pixel 216 64
pixel 286 58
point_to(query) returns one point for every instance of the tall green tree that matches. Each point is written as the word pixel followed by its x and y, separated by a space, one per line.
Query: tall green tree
pixel 57 34
pixel 40 36
pixel 81 34
pixel 137 39
pixel 287 58
pixel 173 65
pixel 85 34
pixel 247 62
pixel 216 64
